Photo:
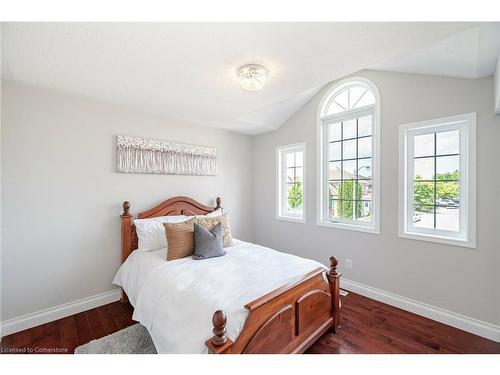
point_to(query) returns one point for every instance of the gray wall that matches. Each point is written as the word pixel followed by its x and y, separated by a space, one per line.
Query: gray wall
pixel 459 279
pixel 62 198
pixel 497 86
pixel 1 82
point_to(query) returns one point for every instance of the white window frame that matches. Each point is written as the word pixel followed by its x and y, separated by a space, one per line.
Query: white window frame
pixel 322 198
pixel 466 124
pixel 281 182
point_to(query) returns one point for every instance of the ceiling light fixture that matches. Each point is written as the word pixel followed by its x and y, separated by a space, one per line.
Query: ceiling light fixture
pixel 252 77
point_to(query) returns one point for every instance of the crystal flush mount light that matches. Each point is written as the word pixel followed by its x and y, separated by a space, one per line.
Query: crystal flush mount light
pixel 252 77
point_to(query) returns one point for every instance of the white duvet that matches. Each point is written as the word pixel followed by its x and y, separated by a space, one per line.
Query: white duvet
pixel 175 300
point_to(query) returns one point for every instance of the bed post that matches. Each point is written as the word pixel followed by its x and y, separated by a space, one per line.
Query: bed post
pixel 334 279
pixel 218 202
pixel 126 219
pixel 219 341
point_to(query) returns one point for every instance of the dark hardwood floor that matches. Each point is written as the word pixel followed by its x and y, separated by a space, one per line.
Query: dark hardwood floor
pixel 66 334
pixel 368 326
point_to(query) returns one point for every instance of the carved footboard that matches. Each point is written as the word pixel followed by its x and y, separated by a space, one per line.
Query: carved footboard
pixel 286 320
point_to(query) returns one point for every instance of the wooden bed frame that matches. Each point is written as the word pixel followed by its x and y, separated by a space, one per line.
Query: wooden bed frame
pixel 287 320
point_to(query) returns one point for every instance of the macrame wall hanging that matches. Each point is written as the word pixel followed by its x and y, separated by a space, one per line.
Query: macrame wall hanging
pixel 144 155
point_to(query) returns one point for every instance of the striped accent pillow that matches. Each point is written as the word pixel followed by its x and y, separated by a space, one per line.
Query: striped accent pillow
pixel 209 223
pixel 180 239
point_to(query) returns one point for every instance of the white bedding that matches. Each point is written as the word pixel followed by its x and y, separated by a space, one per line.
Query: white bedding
pixel 175 300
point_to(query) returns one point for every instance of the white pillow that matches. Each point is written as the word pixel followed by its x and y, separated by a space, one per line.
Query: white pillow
pixel 151 232
pixel 217 212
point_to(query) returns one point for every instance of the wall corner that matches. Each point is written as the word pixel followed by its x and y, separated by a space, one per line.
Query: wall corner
pixel 497 86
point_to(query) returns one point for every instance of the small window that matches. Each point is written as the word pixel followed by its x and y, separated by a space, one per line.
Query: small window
pixel 348 142
pixel 437 180
pixel 290 182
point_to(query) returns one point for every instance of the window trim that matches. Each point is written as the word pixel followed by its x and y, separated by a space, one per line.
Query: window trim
pixel 279 182
pixel 467 179
pixel 322 204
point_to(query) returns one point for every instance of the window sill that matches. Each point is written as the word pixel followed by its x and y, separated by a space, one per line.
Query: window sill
pixel 357 228
pixel 437 239
pixel 291 219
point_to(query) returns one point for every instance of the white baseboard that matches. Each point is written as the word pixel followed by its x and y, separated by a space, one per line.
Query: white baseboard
pixel 21 323
pixel 475 326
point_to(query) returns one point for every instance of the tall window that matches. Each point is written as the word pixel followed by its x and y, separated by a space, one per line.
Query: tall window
pixel 348 120
pixel 438 181
pixel 291 176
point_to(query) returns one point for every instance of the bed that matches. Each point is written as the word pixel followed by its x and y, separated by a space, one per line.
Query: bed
pixel 252 300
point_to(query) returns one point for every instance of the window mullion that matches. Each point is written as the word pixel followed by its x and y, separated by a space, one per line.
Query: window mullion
pixel 284 193
pixel 435 180
pixel 341 197
pixel 356 172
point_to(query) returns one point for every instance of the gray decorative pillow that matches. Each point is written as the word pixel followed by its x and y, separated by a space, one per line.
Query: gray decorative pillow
pixel 208 244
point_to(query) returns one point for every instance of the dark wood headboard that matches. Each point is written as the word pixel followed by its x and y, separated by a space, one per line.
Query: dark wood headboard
pixel 174 206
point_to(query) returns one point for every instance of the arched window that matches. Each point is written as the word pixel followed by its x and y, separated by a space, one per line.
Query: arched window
pixel 348 122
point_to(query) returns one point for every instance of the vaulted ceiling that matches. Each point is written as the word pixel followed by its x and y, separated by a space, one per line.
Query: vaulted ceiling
pixel 186 71
pixel 468 54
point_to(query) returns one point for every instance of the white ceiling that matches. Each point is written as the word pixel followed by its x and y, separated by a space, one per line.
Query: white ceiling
pixel 187 71
pixel 469 54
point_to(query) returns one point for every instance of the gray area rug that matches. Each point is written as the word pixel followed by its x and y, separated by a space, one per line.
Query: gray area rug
pixel 131 340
